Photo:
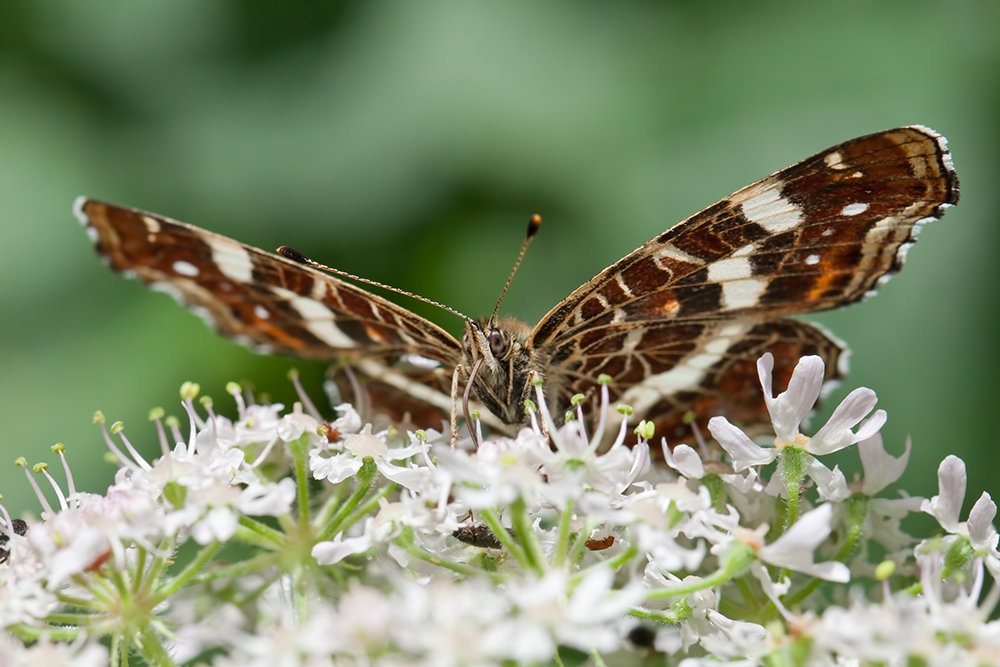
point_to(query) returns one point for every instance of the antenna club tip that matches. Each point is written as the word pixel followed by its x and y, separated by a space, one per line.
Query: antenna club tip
pixel 533 224
pixel 292 254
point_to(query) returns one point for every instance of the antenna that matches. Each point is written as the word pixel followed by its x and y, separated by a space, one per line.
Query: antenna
pixel 533 224
pixel 296 256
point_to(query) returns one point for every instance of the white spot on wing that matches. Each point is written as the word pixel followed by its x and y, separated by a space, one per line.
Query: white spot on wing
pixel 232 259
pixel 78 213
pixel 834 160
pixel 152 224
pixel 733 268
pixel 742 293
pixel 812 259
pixel 745 250
pixel 319 319
pixel 772 211
pixel 670 251
pixel 854 209
pixel 318 289
pixel 261 312
pixel 185 268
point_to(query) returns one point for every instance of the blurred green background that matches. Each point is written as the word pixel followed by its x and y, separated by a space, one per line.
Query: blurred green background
pixel 409 142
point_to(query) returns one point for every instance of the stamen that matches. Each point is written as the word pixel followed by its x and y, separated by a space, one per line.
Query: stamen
pixel 234 390
pixel 8 527
pixel 119 429
pixel 602 422
pixel 206 402
pixel 626 412
pixel 293 375
pixel 264 453
pixel 43 468
pixel 46 508
pixel 124 460
pixel 60 449
pixel 193 421
pixel 174 425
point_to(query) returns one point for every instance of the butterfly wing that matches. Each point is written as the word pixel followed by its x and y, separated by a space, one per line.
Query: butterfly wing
pixel 679 322
pixel 267 302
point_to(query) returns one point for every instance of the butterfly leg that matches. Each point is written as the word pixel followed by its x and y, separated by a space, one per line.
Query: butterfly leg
pixel 465 401
pixel 459 369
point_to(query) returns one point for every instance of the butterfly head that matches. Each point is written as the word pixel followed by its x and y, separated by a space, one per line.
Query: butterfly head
pixel 507 359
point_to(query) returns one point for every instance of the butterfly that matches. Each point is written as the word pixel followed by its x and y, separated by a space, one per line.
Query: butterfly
pixel 676 325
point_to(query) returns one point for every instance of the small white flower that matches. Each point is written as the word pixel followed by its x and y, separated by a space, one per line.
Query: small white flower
pixel 880 469
pixel 946 506
pixel 795 548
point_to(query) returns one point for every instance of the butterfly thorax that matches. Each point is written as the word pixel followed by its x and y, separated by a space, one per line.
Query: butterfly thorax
pixel 509 363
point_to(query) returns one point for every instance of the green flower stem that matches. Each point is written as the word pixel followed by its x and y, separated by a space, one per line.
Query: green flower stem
pixel 526 534
pixel 737 560
pixel 562 542
pixel 576 551
pixel 364 478
pixel 330 506
pixel 857 511
pixel 793 470
pixel 716 491
pixel 184 576
pixel 140 567
pixel 272 539
pixel 598 660
pixel 150 648
pixel 614 563
pixel 67 618
pixel 513 548
pixel 83 603
pixel 298 450
pixel 156 569
pixel 672 616
pixel 32 633
pixel 254 564
pixel 406 542
pixel 119 653
pixel 367 508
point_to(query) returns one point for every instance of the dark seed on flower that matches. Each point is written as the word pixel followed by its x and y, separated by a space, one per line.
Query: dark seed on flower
pixel 601 544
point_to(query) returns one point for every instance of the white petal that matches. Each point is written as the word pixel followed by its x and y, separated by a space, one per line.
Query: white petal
pixel 980 524
pixel 945 506
pixel 741 449
pixel 328 553
pixel 795 548
pixel 836 433
pixel 831 484
pixel 685 461
pixel 881 470
pixel 792 406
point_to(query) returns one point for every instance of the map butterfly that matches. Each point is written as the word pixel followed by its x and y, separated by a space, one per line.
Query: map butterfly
pixel 677 324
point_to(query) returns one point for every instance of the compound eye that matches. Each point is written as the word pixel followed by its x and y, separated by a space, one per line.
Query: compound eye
pixel 498 342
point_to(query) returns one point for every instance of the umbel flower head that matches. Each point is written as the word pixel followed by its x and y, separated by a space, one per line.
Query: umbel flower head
pixel 286 537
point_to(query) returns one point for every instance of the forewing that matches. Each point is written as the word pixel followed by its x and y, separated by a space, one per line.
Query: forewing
pixel 265 301
pixel 679 323
pixel 817 235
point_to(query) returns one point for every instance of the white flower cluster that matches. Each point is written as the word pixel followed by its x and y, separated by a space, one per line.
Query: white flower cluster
pixel 283 539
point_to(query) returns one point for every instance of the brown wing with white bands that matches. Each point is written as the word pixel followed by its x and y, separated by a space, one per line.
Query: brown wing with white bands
pixel 817 235
pixel 255 297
